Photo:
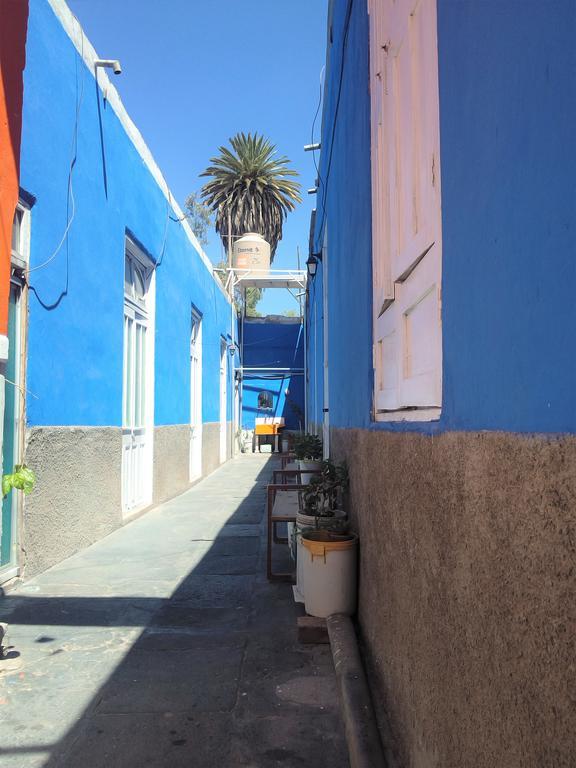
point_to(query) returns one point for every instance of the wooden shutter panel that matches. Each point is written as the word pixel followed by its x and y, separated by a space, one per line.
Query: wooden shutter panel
pixel 418 310
pixel 406 204
pixel 387 345
pixel 383 287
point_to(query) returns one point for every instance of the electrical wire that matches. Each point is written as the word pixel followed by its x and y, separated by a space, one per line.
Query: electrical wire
pixel 322 71
pixel 336 111
pixel 70 201
pixel 165 237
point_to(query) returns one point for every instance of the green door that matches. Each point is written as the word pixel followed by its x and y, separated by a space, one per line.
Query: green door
pixel 10 439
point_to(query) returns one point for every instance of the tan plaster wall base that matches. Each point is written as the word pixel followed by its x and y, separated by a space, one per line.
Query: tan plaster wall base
pixel 467 593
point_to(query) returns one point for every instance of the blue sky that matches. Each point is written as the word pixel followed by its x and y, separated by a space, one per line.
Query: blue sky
pixel 197 71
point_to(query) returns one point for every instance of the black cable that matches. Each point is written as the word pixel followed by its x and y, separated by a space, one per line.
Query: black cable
pixel 313 127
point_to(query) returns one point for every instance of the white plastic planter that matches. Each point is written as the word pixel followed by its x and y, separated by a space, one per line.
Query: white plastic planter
pixel 305 524
pixel 329 562
pixel 307 465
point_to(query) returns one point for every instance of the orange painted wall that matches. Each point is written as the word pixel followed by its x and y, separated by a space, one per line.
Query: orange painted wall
pixel 13 25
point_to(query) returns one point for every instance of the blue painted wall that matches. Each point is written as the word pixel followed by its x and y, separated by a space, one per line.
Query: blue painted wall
pixel 507 119
pixel 344 206
pixel 273 345
pixel 75 352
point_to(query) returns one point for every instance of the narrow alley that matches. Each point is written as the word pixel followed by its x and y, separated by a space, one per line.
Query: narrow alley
pixel 340 233
pixel 181 654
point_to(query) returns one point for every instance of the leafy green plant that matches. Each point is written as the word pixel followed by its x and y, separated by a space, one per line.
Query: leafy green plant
pixel 325 493
pixel 23 479
pixel 308 447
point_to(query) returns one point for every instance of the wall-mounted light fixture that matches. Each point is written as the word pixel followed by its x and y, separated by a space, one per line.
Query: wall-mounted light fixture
pixel 112 64
pixel 232 348
pixel 312 147
pixel 312 265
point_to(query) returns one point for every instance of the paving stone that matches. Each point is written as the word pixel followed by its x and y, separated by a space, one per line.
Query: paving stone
pixel 155 741
pixel 222 565
pixel 79 611
pixel 187 638
pixel 181 613
pixel 286 677
pixel 234 546
pixel 164 645
pixel 289 740
pixel 174 681
pixel 202 591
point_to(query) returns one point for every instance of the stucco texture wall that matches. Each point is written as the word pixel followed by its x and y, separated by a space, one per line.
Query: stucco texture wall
pixel 210 447
pixel 171 461
pixel 77 498
pixel 467 594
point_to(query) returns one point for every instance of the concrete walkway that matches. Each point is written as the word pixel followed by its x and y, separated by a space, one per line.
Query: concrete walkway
pixel 164 645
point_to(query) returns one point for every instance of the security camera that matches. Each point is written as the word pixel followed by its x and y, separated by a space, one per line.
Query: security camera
pixel 112 64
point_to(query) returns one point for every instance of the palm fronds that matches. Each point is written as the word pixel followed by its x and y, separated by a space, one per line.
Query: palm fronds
pixel 253 187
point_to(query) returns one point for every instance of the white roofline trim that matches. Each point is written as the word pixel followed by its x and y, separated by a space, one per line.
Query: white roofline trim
pixel 74 30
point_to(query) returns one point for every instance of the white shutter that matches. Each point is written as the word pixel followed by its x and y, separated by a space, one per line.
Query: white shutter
pixel 386 358
pixel 380 164
pixel 418 312
pixel 406 204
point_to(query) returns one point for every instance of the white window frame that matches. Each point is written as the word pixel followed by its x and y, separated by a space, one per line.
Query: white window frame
pixel 141 310
pixel 223 399
pixel 406 221
pixel 19 261
pixel 20 256
pixel 196 329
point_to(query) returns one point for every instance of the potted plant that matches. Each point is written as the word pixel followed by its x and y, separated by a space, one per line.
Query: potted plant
pixel 328 572
pixel 322 501
pixel 322 509
pixel 308 452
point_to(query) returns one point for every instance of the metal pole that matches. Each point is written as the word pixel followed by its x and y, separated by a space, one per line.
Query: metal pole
pixel 299 295
pixel 326 396
pixel 305 332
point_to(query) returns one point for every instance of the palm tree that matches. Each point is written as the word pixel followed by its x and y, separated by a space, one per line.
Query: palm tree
pixel 251 187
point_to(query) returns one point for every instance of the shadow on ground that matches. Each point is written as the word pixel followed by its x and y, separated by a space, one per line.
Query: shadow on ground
pixel 164 645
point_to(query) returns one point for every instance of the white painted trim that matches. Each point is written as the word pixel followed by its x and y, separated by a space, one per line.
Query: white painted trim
pixel 73 29
pixel 145 315
pixel 223 409
pixel 4 348
pixel 421 414
pixel 9 573
pixel 21 259
pixel 195 460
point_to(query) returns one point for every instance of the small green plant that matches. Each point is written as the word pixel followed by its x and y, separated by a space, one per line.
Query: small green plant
pixel 23 479
pixel 308 447
pixel 325 494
